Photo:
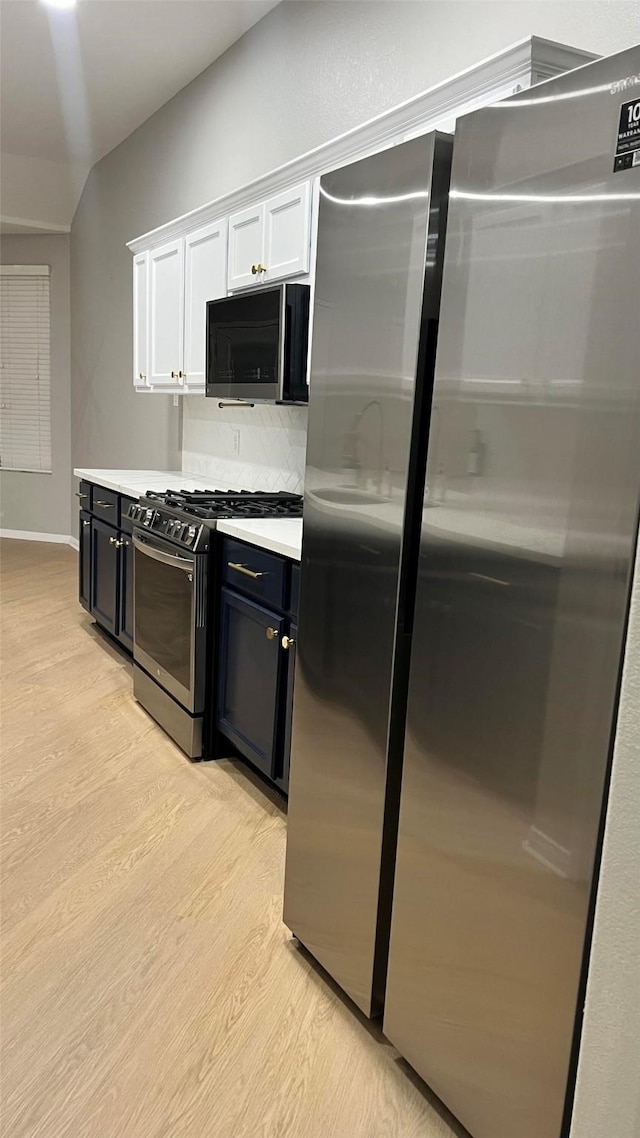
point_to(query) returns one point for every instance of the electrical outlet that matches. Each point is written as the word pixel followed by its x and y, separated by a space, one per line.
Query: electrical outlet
pixel 235 441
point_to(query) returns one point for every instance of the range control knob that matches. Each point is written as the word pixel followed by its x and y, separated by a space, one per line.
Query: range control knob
pixel 191 534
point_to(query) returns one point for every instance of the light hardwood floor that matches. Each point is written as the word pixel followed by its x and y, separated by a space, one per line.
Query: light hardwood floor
pixel 150 989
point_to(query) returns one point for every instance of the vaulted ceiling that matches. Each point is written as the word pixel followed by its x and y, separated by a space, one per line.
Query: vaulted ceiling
pixel 74 83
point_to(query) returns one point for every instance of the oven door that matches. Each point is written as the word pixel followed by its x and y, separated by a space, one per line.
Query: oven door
pixel 169 618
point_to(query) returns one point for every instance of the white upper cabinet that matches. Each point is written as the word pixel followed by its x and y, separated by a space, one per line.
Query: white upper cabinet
pixel 166 315
pixel 246 246
pixel 288 233
pixel 205 278
pixel 140 318
pixel 270 241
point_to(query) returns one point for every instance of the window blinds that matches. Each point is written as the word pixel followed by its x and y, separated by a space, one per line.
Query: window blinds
pixel 25 368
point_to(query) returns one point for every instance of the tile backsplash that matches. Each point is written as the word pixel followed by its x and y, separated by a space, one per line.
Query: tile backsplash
pixel 259 448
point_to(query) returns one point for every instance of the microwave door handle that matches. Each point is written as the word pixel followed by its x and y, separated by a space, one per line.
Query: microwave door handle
pixel 184 563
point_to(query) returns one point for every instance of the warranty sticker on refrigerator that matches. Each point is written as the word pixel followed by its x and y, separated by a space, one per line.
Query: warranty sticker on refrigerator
pixel 628 145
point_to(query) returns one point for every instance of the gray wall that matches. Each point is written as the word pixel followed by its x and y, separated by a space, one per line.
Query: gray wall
pixel 41 502
pixel 608 1089
pixel 304 74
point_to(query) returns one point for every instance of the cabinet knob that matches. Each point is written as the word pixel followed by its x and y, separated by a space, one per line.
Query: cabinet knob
pixel 272 633
pixel 174 375
pixel 288 642
pixel 113 541
pixel 85 523
pixel 141 375
pixel 258 268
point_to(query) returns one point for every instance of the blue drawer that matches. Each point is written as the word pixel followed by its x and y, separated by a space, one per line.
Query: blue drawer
pixel 105 505
pixel 255 572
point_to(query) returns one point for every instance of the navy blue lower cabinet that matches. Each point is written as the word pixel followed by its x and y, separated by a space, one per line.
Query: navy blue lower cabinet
pixel 105 583
pixel 84 560
pixel 251 668
pixel 289 642
pixel 125 617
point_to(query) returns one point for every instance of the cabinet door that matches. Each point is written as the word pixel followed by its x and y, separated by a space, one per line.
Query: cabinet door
pixel 125 603
pixel 104 575
pixel 140 319
pixel 166 314
pixel 84 559
pixel 205 278
pixel 250 669
pixel 246 246
pixel 288 233
pixel 290 653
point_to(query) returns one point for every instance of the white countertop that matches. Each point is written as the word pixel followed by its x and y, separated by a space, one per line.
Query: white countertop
pixel 133 483
pixel 280 535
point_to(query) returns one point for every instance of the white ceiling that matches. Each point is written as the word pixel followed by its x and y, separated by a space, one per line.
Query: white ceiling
pixel 73 84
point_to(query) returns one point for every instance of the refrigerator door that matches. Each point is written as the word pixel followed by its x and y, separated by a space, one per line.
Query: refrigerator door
pixel 373 332
pixel 523 586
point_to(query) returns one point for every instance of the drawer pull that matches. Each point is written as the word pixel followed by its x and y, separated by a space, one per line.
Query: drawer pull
pixel 243 569
pixel 272 633
pixel 79 495
pixel 85 523
pixel 105 505
pixel 288 642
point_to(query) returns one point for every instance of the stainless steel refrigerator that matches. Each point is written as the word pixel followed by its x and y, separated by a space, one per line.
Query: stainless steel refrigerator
pixel 377 294
pixel 527 546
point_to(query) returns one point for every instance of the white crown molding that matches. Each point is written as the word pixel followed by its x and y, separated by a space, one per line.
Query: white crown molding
pixel 527 62
pixel 22 224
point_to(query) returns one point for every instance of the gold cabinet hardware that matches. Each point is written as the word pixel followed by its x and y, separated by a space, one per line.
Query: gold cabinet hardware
pixel 272 633
pixel 257 269
pixel 288 642
pixel 113 541
pixel 85 523
pixel 105 505
pixel 174 375
pixel 141 375
pixel 79 495
pixel 243 569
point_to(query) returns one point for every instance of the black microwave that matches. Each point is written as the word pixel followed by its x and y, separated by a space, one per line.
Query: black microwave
pixel 257 345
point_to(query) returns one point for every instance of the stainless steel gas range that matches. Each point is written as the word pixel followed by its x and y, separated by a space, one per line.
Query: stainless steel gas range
pixel 174 600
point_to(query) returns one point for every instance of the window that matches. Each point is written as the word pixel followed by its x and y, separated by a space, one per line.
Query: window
pixel 25 368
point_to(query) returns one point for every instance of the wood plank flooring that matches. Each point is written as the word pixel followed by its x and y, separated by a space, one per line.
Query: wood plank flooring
pixel 149 987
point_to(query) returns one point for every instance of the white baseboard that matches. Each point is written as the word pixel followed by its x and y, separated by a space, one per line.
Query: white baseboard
pixel 74 543
pixel 32 535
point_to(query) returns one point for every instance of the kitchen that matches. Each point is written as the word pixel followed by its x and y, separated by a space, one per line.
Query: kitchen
pixel 364 482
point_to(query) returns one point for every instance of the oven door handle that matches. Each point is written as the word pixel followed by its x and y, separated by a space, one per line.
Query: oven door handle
pixel 184 563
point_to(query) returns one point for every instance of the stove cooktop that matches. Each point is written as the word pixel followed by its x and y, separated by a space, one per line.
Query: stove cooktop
pixel 211 504
pixel 186 516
